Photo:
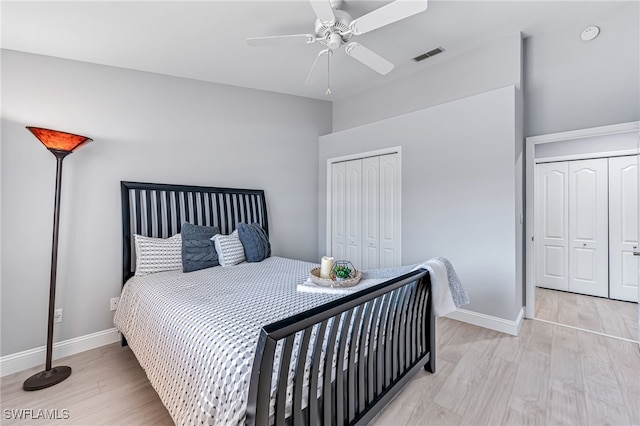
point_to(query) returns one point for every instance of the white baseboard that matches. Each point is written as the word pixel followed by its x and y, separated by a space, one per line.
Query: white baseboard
pixel 13 363
pixel 487 321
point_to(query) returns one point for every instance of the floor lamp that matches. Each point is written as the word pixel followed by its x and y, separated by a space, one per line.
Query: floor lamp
pixel 60 144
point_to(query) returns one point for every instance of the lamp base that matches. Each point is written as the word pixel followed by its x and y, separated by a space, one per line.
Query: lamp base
pixel 46 378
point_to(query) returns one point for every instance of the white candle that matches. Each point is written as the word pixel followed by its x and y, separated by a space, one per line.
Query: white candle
pixel 326 266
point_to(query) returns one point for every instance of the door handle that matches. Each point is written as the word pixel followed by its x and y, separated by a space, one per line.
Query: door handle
pixel 636 253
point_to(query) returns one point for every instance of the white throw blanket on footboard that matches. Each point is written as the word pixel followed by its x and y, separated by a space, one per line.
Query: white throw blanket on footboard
pixel 448 293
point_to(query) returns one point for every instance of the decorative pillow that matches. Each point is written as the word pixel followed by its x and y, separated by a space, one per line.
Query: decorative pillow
pixel 157 254
pixel 255 242
pixel 198 250
pixel 229 248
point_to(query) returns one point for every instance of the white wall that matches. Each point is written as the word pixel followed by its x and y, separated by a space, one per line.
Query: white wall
pixel 571 84
pixel 146 127
pixel 458 189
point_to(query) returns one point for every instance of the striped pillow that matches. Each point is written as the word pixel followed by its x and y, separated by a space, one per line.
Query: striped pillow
pixel 229 248
pixel 157 254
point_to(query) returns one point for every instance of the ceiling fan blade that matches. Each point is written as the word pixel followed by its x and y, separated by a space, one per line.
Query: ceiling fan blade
pixel 323 11
pixel 321 53
pixel 282 40
pixel 369 58
pixel 395 11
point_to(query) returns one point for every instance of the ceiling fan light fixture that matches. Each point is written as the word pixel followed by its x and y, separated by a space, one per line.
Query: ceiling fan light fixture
pixel 334 41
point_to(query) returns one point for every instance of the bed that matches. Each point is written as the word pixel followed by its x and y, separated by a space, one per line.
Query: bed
pixel 240 345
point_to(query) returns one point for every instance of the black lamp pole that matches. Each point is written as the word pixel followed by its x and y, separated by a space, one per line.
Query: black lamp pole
pixel 52 375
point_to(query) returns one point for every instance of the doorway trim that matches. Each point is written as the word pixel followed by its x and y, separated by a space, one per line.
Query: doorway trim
pixel 531 142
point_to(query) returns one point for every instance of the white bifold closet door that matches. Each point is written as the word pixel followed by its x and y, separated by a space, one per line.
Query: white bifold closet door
pixel 338 211
pixel 389 211
pixel 353 211
pixel 623 228
pixel 552 225
pixel 588 227
pixel 572 226
pixel 371 212
pixel 365 219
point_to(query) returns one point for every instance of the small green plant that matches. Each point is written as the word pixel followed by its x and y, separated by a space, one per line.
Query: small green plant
pixel 342 272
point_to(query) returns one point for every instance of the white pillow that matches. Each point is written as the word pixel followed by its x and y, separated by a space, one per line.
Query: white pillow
pixel 229 248
pixel 157 254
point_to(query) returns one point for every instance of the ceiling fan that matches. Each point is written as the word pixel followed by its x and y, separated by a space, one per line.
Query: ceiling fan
pixel 335 28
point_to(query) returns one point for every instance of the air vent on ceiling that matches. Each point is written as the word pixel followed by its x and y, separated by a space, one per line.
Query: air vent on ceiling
pixel 428 54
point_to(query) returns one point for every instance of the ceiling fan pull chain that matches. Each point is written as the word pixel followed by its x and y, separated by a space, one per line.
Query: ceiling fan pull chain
pixel 328 92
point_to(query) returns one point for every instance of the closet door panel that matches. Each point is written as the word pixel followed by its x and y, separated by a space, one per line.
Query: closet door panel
pixel 390 227
pixel 338 210
pixel 588 227
pixel 623 228
pixel 371 212
pixel 353 222
pixel 552 226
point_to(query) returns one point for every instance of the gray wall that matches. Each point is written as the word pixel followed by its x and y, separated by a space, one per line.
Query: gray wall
pixel 570 84
pixel 490 67
pixel 458 189
pixel 587 146
pixel 146 127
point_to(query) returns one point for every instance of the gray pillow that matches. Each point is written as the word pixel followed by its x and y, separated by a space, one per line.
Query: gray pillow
pixel 198 251
pixel 254 241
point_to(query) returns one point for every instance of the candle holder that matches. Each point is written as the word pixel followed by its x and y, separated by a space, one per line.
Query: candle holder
pixel 343 274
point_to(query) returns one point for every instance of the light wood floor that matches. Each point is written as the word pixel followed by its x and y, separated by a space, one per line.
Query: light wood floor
pixel 607 316
pixel 548 375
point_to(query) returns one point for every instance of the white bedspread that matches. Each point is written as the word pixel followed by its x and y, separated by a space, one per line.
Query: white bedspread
pixel 195 334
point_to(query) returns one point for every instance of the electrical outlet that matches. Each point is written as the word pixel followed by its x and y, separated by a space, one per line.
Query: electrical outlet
pixel 57 315
pixel 113 303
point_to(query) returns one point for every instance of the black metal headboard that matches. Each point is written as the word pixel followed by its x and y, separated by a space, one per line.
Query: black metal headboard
pixel 159 210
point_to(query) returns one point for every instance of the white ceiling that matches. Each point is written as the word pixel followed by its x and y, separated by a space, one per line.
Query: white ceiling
pixel 205 40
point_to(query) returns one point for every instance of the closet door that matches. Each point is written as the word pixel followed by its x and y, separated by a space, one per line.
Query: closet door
pixel 588 227
pixel 390 227
pixel 365 211
pixel 552 225
pixel 623 228
pixel 353 210
pixel 371 212
pixel 338 211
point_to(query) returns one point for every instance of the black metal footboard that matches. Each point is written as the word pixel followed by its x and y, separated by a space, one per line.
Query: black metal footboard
pixel 358 352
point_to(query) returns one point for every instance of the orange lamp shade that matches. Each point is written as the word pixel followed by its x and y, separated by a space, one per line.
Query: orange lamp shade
pixel 59 141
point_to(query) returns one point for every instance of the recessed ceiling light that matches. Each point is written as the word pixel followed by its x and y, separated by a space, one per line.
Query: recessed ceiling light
pixel 590 33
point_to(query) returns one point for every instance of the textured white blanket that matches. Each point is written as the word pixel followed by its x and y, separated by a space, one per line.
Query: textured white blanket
pixel 195 333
